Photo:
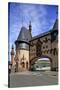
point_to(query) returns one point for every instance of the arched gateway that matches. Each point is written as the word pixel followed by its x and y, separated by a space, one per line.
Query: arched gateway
pixel 45 45
pixel 43 59
pixel 29 49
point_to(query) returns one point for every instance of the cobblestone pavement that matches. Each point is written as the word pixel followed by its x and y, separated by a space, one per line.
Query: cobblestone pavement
pixel 39 78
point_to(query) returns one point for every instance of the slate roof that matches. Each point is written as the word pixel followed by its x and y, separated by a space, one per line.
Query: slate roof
pixel 40 35
pixel 24 35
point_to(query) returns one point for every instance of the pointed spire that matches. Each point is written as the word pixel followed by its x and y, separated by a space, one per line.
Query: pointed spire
pixel 12 55
pixel 12 47
pixel 30 27
pixel 12 51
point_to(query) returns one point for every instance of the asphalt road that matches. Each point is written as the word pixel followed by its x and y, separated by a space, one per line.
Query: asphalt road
pixel 33 79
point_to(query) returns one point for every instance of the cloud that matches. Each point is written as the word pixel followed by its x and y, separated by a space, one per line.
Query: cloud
pixel 35 14
pixel 21 14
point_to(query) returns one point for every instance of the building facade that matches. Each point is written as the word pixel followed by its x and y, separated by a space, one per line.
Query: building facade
pixel 29 49
pixel 45 46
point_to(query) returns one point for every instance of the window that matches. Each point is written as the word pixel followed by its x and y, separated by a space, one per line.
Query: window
pixel 44 52
pixel 37 66
pixel 46 46
pixel 46 40
pixel 51 51
pixel 27 65
pixel 34 49
pixel 23 64
pixel 47 51
pixel 49 39
pixel 54 51
pixel 43 47
pixel 55 34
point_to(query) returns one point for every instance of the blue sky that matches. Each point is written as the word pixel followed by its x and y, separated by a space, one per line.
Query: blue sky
pixel 42 18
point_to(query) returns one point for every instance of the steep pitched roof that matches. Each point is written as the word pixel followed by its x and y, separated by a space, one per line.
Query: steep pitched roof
pixel 40 35
pixel 24 35
pixel 55 27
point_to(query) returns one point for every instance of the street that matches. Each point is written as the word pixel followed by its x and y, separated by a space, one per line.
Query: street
pixel 39 78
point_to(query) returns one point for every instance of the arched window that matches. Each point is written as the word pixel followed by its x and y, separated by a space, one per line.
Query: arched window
pixel 54 51
pixel 38 47
pixel 16 69
pixel 27 65
pixel 23 64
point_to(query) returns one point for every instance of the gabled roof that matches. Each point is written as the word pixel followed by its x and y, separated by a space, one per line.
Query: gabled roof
pixel 55 27
pixel 41 35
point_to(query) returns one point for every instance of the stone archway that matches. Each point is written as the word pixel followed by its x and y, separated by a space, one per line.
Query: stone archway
pixel 32 62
